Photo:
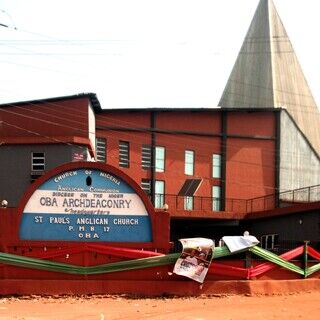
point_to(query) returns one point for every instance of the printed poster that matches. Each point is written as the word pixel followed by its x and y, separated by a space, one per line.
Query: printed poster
pixel 195 259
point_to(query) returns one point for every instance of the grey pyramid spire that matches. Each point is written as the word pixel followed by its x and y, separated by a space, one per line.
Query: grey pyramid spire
pixel 267 74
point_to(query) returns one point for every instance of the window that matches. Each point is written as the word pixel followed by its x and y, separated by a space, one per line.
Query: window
pixel 216 166
pixel 146 185
pixel 159 191
pixel 188 203
pixel 146 156
pixel 37 161
pixel 101 149
pixel 159 194
pixel 160 159
pixel 37 165
pixel 270 241
pixel 189 162
pixel 216 190
pixel 188 190
pixel 124 154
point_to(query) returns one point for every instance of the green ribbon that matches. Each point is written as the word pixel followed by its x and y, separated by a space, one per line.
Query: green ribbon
pixel 41 264
pixel 134 264
pixel 312 269
pixel 269 256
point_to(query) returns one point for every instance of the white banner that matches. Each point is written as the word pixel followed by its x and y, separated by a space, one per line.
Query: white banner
pixel 50 201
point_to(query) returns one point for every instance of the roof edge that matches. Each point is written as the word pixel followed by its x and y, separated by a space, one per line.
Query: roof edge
pixel 91 96
pixel 208 109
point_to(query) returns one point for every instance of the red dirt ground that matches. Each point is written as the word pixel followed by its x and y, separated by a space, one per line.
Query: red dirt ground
pixel 292 306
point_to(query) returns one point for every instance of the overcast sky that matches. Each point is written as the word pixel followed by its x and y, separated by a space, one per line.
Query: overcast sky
pixel 138 53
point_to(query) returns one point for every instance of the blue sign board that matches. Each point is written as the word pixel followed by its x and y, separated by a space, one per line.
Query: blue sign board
pixel 86 205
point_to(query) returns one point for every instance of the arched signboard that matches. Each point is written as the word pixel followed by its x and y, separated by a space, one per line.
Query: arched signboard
pixel 85 204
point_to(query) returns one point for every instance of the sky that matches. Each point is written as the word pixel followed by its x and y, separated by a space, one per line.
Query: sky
pixel 138 53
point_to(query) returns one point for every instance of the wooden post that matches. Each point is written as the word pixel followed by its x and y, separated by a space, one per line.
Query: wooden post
pixel 248 260
pixel 305 257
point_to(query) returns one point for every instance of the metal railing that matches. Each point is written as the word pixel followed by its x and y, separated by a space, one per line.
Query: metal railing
pixel 284 199
pixel 269 202
pixel 177 203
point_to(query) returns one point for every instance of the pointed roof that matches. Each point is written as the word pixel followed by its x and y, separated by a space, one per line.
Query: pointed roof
pixel 267 74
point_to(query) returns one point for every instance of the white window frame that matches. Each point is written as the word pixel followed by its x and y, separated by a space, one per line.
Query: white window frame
pixel 146 186
pixel 188 203
pixel 38 161
pixel 189 162
pixel 160 154
pixel 101 152
pixel 216 198
pixel 159 194
pixel 146 156
pixel 124 154
pixel 216 166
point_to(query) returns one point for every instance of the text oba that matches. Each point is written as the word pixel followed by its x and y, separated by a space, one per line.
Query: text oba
pixel 86 203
